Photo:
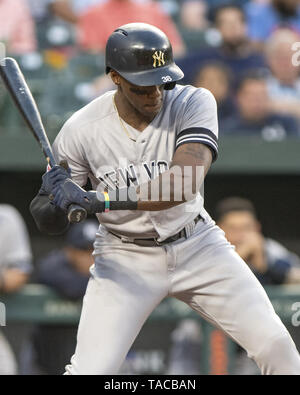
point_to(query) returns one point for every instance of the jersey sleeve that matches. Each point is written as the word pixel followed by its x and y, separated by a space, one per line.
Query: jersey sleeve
pixel 199 122
pixel 15 245
pixel 68 146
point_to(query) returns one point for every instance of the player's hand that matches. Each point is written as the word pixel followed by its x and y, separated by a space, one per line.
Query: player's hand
pixel 68 192
pixel 251 243
pixel 56 175
pixel 252 251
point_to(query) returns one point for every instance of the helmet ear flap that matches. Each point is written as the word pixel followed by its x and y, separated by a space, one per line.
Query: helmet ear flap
pixel 169 86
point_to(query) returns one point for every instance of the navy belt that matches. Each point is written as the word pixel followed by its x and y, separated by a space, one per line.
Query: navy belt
pixel 153 241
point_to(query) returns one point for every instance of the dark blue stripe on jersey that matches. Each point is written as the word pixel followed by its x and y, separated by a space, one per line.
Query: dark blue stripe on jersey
pixel 191 131
pixel 198 130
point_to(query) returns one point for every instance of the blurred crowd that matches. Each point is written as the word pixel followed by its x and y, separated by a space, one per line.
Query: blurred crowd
pixel 244 52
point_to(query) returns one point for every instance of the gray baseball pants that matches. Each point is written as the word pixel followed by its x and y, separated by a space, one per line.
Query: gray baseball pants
pixel 204 271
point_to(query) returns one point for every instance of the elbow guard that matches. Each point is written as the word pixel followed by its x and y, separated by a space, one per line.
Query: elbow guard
pixel 48 218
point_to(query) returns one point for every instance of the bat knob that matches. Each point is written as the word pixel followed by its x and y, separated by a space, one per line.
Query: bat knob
pixel 76 214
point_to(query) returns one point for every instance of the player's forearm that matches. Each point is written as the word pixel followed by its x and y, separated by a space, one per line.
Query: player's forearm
pixel 175 186
pixel 168 190
pixel 48 218
pixel 178 185
pixel 100 202
pixel 181 183
pixel 156 206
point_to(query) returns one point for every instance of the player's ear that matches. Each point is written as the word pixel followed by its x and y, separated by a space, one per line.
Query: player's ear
pixel 115 77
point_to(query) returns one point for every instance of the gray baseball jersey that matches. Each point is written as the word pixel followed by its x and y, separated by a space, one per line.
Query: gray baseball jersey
pixel 15 253
pixel 96 146
pixel 15 250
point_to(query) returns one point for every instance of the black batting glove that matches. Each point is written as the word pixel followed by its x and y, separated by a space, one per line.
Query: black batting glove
pixel 53 177
pixel 68 192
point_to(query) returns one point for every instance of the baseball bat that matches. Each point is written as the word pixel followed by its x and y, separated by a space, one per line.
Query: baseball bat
pixel 14 80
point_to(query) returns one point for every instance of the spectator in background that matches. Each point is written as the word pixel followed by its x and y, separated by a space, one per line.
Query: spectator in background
pixel 217 79
pixel 55 31
pixel 194 24
pixel 217 3
pixel 193 15
pixel 67 10
pixel 264 19
pixel 67 272
pixel 55 21
pixel 71 9
pixel 284 82
pixel 272 263
pixel 98 22
pixel 254 116
pixel 64 9
pixel 17 29
pixel 81 6
pixel 15 268
pixel 235 50
pixel 40 9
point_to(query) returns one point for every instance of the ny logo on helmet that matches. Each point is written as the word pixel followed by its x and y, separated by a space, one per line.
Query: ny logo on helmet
pixel 158 58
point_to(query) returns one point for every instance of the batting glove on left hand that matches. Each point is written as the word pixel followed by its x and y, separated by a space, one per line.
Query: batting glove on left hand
pixel 68 192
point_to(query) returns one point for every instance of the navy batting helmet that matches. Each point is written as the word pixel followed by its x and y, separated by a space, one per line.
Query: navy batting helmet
pixel 142 54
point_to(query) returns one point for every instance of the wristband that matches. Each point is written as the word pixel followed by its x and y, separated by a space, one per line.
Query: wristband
pixel 123 199
pixel 107 202
pixel 120 199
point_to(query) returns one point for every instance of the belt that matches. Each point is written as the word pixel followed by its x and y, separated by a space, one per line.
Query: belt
pixel 153 241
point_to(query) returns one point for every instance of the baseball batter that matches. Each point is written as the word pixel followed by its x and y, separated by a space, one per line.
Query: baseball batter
pixel 134 144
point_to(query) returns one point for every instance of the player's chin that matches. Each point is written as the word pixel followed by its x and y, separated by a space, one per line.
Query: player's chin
pixel 152 110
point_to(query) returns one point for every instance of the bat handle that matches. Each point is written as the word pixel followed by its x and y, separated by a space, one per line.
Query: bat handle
pixel 76 213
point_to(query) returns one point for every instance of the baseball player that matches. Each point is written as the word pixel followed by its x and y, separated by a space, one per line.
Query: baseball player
pixel 134 143
pixel 15 269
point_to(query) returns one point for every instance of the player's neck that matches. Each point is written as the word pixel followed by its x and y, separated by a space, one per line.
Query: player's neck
pixel 130 114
